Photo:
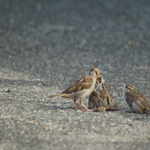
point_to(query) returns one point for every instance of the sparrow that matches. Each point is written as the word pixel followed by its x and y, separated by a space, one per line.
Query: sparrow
pixel 96 102
pixel 81 88
pixel 135 100
pixel 100 99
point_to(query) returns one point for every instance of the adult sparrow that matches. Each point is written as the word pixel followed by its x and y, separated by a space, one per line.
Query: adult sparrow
pixel 81 88
pixel 100 99
pixel 135 100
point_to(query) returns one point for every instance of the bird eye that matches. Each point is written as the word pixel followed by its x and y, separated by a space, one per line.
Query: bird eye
pixel 91 72
pixel 128 87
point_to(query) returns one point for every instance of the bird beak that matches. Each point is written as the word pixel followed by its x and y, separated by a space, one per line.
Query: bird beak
pixel 99 81
pixel 122 88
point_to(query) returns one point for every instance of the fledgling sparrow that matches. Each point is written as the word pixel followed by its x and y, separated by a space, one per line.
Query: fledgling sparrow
pixel 81 88
pixel 135 100
pixel 100 99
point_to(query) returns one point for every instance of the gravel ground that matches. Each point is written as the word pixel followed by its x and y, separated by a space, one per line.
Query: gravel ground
pixel 45 46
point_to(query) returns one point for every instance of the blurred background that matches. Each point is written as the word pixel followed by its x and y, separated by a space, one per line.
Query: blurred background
pixel 46 45
pixel 70 37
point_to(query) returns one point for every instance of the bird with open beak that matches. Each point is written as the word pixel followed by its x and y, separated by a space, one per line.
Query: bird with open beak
pixel 135 100
pixel 100 99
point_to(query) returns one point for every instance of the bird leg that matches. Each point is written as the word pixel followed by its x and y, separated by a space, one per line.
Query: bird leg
pixel 112 108
pixel 129 111
pixel 125 110
pixel 84 107
pixel 78 107
pixel 115 107
pixel 100 109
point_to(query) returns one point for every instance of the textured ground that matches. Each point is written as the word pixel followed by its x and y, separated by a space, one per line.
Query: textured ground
pixel 45 46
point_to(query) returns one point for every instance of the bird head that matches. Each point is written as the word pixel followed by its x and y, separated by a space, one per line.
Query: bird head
pixel 101 84
pixel 95 72
pixel 128 87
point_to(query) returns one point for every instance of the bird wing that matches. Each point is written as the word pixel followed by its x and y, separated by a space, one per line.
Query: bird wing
pixel 142 100
pixel 83 83
pixel 110 100
pixel 138 98
pixel 94 100
pixel 129 98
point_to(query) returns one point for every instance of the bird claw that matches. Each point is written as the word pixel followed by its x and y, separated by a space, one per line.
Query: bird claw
pixel 76 107
pixel 81 108
pixel 86 109
pixel 128 111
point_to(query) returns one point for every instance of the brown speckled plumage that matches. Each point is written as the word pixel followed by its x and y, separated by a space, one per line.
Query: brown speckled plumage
pixel 135 100
pixel 101 100
pixel 81 88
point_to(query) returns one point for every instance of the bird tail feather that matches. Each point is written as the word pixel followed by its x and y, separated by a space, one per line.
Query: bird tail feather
pixel 60 95
pixel 147 112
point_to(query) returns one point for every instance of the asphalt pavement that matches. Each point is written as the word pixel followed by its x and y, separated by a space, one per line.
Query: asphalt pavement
pixel 45 46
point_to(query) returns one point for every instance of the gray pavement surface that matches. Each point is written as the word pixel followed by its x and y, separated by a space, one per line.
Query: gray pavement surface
pixel 45 46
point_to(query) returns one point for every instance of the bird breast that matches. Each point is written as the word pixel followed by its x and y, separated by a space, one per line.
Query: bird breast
pixel 136 108
pixel 124 95
pixel 84 92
